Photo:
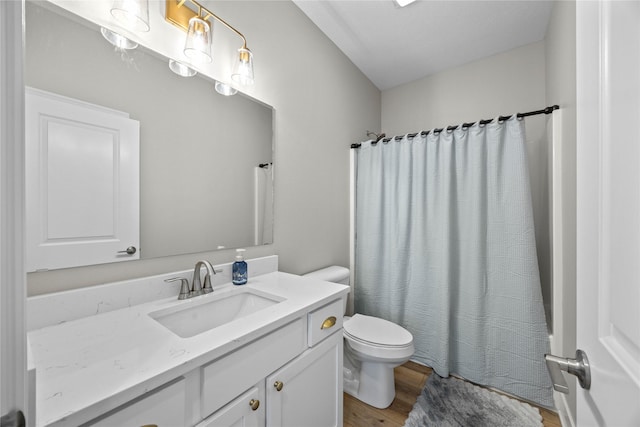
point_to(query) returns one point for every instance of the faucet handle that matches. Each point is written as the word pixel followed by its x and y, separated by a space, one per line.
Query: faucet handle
pixel 206 289
pixel 184 288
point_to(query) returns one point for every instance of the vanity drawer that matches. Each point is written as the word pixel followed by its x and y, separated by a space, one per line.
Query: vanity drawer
pixel 226 378
pixel 325 321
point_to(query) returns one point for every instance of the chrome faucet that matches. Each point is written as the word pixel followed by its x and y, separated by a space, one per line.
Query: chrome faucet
pixel 196 287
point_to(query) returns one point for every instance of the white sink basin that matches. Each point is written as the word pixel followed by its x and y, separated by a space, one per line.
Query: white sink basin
pixel 204 313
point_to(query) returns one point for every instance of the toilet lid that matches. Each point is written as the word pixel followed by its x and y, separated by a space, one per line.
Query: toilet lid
pixel 377 331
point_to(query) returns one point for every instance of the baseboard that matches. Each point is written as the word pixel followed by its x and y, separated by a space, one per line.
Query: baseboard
pixel 566 419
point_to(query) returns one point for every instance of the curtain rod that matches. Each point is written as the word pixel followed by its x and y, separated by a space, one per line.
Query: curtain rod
pixel 547 110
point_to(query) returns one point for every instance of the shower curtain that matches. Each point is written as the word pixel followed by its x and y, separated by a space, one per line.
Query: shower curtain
pixel 445 247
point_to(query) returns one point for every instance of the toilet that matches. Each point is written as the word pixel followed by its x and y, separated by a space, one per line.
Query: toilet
pixel 372 348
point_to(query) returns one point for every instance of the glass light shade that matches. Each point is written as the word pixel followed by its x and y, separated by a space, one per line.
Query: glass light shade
pixel 181 69
pixel 117 40
pixel 132 14
pixel 225 89
pixel 243 68
pixel 197 47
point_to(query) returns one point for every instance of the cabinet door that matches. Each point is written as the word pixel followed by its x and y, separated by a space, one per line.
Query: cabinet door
pixel 163 408
pixel 247 410
pixel 308 390
pixel 82 183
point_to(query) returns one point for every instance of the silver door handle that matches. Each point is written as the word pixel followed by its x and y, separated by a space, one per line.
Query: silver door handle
pixel 129 251
pixel 578 367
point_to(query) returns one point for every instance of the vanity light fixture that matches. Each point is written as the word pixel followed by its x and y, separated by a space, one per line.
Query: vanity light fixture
pixel 195 23
pixel 181 69
pixel 132 14
pixel 225 89
pixel 119 41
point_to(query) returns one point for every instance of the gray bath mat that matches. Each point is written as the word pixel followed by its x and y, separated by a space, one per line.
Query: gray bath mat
pixel 450 402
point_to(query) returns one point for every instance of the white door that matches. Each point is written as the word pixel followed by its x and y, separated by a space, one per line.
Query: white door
pixel 13 393
pixel 82 183
pixel 608 210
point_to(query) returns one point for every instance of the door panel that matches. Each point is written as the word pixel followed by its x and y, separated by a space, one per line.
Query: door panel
pixel 82 183
pixel 608 210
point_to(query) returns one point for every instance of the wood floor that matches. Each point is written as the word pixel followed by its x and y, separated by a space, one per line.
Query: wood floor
pixel 410 379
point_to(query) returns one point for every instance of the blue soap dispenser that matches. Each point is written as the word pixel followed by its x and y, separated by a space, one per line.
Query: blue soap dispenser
pixel 239 270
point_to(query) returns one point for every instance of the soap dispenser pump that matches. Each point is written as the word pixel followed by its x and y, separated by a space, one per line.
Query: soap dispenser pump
pixel 239 270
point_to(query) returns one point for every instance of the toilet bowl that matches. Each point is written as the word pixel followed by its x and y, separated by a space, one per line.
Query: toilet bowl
pixel 372 348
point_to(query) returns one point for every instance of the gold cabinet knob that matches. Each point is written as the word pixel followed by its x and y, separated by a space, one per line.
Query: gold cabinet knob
pixel 254 403
pixel 278 385
pixel 329 322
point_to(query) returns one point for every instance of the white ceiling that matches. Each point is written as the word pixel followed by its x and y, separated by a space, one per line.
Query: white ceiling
pixel 393 45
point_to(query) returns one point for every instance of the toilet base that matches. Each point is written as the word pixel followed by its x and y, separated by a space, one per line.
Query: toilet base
pixel 376 386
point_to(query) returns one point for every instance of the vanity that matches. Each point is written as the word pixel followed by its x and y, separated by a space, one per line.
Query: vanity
pixel 268 353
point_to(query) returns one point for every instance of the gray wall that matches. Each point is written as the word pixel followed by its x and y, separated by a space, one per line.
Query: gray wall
pixel 560 46
pixel 506 83
pixel 323 103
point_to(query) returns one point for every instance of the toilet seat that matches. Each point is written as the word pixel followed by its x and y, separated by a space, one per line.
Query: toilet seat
pixel 376 332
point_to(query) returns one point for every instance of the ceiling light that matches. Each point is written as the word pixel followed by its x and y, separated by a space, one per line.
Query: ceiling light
pixel 403 3
pixel 133 14
pixel 225 89
pixel 117 40
pixel 181 69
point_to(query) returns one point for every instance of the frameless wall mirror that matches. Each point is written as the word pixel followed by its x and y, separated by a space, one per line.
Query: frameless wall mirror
pixel 206 172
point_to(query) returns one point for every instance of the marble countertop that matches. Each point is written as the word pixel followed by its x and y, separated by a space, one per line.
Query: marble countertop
pixel 89 366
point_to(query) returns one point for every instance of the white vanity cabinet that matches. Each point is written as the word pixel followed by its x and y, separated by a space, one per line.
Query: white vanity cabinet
pixel 308 390
pixel 228 377
pixel 280 366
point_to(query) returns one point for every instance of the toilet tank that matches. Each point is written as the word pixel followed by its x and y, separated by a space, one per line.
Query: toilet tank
pixel 334 273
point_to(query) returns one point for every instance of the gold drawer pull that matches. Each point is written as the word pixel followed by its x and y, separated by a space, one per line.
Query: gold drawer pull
pixel 329 322
pixel 278 385
pixel 254 403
